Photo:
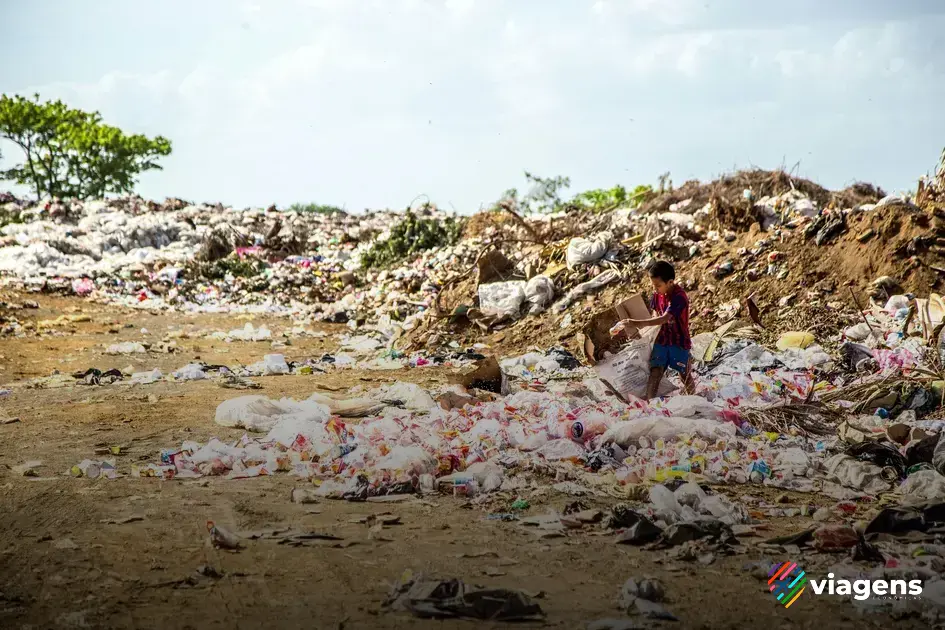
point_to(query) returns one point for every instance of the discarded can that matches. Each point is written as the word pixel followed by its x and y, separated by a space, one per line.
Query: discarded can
pixel 576 430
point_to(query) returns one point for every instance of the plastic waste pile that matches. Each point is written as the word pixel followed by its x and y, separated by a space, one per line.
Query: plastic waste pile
pixel 308 264
pixel 724 434
pixel 204 258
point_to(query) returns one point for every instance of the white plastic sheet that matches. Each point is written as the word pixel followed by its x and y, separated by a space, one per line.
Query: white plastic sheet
pixel 854 474
pixel 502 299
pixel 655 427
pixel 539 293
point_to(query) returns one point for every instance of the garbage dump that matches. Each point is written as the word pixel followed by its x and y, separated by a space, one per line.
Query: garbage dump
pixel 489 362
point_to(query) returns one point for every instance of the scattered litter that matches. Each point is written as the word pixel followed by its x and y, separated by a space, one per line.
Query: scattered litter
pixel 432 598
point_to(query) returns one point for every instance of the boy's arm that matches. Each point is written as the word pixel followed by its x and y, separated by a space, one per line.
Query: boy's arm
pixel 659 320
pixel 676 306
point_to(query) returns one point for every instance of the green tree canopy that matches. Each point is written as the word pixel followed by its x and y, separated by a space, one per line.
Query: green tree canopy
pixel 72 153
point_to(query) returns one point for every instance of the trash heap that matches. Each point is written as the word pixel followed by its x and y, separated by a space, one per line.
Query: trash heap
pixel 428 277
pixel 210 258
pixel 797 249
pixel 758 415
pixel 818 362
pixel 859 425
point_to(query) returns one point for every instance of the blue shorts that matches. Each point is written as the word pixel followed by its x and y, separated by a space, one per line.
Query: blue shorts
pixel 673 357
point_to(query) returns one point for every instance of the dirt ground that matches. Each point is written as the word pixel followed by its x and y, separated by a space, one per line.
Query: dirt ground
pixel 125 553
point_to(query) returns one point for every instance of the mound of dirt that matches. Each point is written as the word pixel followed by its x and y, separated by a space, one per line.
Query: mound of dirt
pixel 730 188
pixel 796 283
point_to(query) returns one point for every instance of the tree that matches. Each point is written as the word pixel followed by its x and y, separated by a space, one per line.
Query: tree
pixel 72 153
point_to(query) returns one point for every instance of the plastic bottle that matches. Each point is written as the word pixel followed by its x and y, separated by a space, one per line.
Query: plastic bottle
pixel 758 471
pixel 427 483
pixel 340 450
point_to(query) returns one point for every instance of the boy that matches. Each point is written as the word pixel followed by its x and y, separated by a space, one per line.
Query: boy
pixel 673 343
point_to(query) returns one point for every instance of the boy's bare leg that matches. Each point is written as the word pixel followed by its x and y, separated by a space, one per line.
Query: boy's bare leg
pixel 653 383
pixel 689 385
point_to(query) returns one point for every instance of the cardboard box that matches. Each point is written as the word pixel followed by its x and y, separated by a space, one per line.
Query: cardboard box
pixel 597 337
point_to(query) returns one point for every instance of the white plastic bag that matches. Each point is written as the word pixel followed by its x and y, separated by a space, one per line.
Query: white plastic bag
pixel 922 486
pixel 190 372
pixel 502 299
pixel 271 364
pixel 411 395
pixel 411 460
pixel 792 462
pixel 857 475
pixel 539 292
pixel 146 378
pixel 582 250
pixel 691 407
pixel 564 448
pixel 896 302
pixel 260 414
pixel 628 371
pixel 690 494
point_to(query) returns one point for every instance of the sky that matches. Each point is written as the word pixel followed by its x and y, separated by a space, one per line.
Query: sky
pixel 371 103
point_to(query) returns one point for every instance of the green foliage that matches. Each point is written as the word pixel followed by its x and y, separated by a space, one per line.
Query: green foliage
pixel 235 266
pixel 411 236
pixel 70 153
pixel 603 200
pixel 545 193
pixel 8 217
pixel 545 196
pixel 315 208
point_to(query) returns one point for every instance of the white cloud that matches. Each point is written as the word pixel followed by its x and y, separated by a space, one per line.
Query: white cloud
pixel 525 85
pixel 666 12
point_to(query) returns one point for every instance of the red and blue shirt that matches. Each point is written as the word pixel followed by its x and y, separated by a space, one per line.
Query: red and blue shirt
pixel 674 332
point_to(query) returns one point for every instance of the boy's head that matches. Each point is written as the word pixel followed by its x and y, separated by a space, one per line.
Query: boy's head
pixel 662 275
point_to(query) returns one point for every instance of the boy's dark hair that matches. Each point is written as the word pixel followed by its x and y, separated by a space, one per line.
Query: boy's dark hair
pixel 662 270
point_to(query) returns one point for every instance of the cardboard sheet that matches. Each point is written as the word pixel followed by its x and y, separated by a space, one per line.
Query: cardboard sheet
pixel 597 338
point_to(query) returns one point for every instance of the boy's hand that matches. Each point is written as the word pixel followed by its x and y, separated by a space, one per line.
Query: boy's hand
pixel 620 327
